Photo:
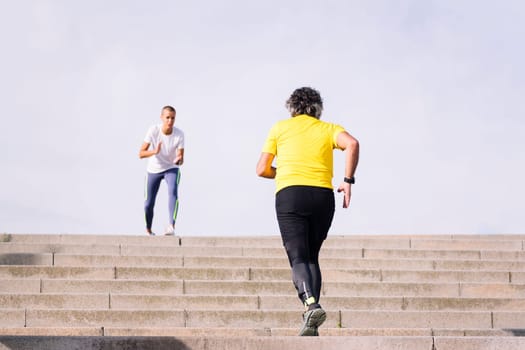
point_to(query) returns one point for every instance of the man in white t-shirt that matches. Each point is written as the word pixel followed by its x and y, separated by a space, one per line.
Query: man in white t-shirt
pixel 164 148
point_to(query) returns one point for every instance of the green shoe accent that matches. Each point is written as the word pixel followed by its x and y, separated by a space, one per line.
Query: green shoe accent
pixel 309 301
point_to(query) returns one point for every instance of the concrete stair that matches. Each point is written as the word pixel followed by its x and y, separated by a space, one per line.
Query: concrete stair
pixel 435 292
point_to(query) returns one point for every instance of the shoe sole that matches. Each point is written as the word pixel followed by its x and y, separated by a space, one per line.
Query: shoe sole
pixel 313 321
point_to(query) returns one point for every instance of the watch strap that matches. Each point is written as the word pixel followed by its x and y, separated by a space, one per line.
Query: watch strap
pixel 350 180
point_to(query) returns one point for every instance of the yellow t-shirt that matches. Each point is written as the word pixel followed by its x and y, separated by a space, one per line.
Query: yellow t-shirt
pixel 303 146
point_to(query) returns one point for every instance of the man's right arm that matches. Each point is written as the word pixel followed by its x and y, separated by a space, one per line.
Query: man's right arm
pixel 264 166
pixel 144 153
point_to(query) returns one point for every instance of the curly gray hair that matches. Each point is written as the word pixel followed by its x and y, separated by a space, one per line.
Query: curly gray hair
pixel 305 100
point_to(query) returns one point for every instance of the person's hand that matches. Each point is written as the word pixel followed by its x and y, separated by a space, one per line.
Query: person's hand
pixel 157 149
pixel 178 160
pixel 346 188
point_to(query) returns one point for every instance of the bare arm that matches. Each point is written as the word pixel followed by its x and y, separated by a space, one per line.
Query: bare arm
pixel 350 145
pixel 179 159
pixel 264 166
pixel 144 153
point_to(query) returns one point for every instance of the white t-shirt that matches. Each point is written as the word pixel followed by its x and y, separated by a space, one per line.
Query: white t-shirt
pixel 164 160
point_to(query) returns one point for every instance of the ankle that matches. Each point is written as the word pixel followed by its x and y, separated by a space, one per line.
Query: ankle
pixel 313 306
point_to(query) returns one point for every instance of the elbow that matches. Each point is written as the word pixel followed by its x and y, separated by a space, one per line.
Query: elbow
pixel 356 144
pixel 259 171
pixel 353 144
pixel 262 170
pixel 264 166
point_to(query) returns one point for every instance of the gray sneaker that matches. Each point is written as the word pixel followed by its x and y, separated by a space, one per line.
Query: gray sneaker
pixel 311 321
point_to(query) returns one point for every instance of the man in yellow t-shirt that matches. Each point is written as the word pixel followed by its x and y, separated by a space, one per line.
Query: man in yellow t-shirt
pixel 303 147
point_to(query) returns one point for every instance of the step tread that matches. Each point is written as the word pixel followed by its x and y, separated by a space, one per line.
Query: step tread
pixel 121 301
pixel 256 332
pixel 264 342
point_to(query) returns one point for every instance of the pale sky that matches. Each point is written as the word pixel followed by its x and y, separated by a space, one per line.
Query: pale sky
pixel 433 90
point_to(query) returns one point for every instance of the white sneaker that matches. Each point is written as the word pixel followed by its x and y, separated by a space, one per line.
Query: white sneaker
pixel 170 230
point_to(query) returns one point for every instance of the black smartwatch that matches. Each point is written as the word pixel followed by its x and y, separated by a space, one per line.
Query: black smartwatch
pixel 350 180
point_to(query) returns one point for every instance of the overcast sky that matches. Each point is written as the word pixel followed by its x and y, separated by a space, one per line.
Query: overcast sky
pixel 433 90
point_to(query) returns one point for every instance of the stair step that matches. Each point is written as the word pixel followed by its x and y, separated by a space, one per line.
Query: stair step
pixel 179 287
pixel 259 343
pixel 256 332
pixel 491 252
pixel 229 318
pixel 250 302
pixel 255 274
pixel 98 260
pixel 261 262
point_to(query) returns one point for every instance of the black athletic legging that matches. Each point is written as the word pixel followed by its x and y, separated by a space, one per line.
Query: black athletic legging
pixel 305 214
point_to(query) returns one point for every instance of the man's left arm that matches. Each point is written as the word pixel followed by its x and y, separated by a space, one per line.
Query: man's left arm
pixel 179 159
